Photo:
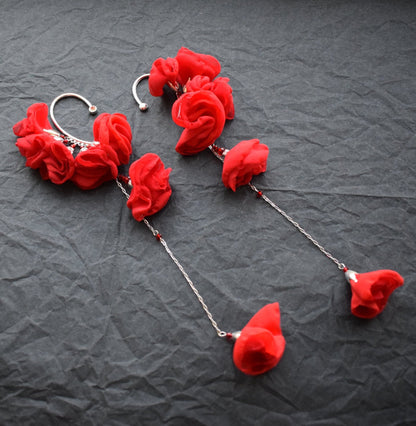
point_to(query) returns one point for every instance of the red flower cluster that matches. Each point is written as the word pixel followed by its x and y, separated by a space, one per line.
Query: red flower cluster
pixel 204 104
pixel 52 154
pixel 151 190
pixel 176 72
pixel 202 115
pixel 371 291
pixel 261 344
pixel 246 159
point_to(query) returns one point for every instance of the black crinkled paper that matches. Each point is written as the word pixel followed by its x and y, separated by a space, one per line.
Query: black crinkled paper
pixel 97 325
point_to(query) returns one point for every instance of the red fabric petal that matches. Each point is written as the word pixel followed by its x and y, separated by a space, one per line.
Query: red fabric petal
pixel 192 64
pixel 371 291
pixel 261 343
pixel 246 159
pixel 32 146
pixel 95 166
pixel 36 121
pixel 151 190
pixel 202 115
pixel 114 130
pixel 219 87
pixel 162 72
pixel 58 165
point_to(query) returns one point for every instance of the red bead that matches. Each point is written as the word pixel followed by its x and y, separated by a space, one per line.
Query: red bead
pixel 158 236
pixel 123 179
pixel 259 194
pixel 229 336
pixel 345 269
pixel 218 149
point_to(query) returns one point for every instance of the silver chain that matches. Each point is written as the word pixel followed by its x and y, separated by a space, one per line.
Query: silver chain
pixel 260 194
pixel 156 234
pixel 340 265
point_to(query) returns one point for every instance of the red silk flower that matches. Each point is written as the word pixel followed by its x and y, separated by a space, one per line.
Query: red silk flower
pixel 246 159
pixel 202 115
pixel 36 121
pixel 371 291
pixel 43 152
pixel 179 70
pixel 114 130
pixel 219 87
pixel 58 165
pixel 31 147
pixel 192 64
pixel 261 344
pixel 163 71
pixel 151 190
pixel 95 166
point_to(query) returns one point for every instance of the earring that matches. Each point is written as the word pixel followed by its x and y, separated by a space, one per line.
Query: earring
pixel 259 346
pixel 61 157
pixel 204 102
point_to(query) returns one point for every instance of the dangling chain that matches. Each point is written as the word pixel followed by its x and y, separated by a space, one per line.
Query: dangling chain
pixel 221 152
pixel 159 238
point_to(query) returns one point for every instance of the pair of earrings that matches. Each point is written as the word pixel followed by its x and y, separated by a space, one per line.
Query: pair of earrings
pixel 204 102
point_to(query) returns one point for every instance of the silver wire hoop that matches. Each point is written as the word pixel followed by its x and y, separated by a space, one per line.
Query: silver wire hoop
pixel 142 105
pixel 91 108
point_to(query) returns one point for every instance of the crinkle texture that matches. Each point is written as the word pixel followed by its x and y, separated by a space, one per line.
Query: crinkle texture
pixel 245 160
pixel 192 64
pixel 35 122
pixel 95 166
pixel 163 71
pixel 114 130
pixel 219 87
pixel 371 291
pixel 202 115
pixel 261 343
pixel 151 190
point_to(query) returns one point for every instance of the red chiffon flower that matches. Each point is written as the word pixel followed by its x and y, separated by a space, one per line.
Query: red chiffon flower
pixel 246 159
pixel 32 146
pixel 36 121
pixel 95 166
pixel 219 87
pixel 371 291
pixel 52 158
pixel 114 130
pixel 163 71
pixel 151 190
pixel 202 115
pixel 192 64
pixel 58 165
pixel 261 344
pixel 179 70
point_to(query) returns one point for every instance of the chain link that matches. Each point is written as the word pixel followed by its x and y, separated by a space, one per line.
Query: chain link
pixel 340 265
pixel 156 234
pixel 220 332
pixel 123 190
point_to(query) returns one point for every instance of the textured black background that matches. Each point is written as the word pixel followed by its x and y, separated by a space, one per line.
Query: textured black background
pixel 97 326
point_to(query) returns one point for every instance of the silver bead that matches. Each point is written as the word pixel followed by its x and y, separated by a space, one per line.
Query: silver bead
pixel 235 335
pixel 351 275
